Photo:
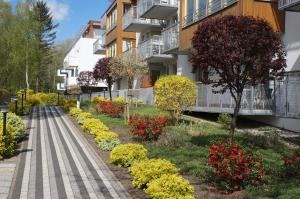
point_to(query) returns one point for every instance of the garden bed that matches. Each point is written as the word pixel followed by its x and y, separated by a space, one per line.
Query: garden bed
pixel 187 146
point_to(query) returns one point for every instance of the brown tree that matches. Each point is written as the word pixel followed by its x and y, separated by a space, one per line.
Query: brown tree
pixel 86 79
pixel 237 51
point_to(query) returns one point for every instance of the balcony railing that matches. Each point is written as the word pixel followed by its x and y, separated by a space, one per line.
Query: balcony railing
pixel 133 23
pixel 98 46
pixel 152 48
pixel 156 9
pixel 171 38
pixel 293 5
pixel 255 101
pixel 210 8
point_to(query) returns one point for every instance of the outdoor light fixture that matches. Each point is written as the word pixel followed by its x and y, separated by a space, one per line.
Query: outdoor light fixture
pixel 15 100
pixel 4 109
pixel 22 107
pixel 25 92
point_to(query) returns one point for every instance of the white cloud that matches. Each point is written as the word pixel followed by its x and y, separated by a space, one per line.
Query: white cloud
pixel 59 10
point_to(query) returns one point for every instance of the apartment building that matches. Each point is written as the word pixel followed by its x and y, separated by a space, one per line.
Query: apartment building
pixel 163 30
pixel 278 103
pixel 84 53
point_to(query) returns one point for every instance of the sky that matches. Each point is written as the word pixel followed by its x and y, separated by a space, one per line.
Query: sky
pixel 73 14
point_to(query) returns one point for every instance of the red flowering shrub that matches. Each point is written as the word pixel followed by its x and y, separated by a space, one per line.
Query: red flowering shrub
pixel 110 108
pixel 292 164
pixel 147 128
pixel 234 169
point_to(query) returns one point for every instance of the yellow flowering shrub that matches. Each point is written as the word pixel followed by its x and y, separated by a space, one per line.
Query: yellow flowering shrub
pixel 6 150
pixel 127 154
pixel 148 170
pixel 106 135
pixel 75 112
pixel 95 100
pixel 81 117
pixel 119 100
pixel 94 126
pixel 170 187
pixel 175 93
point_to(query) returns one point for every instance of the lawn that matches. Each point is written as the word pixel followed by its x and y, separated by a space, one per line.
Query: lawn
pixel 187 146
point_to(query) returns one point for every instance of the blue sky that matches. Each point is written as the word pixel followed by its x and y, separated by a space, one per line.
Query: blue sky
pixel 73 14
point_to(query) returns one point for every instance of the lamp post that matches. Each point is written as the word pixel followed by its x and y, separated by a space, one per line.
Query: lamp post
pixel 15 99
pixel 4 110
pixel 25 91
pixel 57 98
pixel 22 107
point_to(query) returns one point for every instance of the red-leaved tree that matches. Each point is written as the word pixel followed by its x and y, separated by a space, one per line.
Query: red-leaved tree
pixel 86 79
pixel 237 51
pixel 102 72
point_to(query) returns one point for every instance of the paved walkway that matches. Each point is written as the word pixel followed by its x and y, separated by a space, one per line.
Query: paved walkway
pixel 59 163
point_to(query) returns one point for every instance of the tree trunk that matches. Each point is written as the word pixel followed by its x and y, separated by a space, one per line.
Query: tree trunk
pixel 130 83
pixel 26 72
pixel 235 116
pixel 109 90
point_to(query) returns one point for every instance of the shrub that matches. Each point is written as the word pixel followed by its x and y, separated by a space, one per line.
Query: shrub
pixel 292 164
pixel 106 135
pixel 119 100
pixel 170 187
pixel 96 100
pixel 127 154
pixel 109 144
pixel 69 103
pixel 94 126
pixel 81 117
pixel 74 112
pixel 147 128
pixel 26 107
pixel 224 120
pixel 148 170
pixel 175 93
pixel 110 108
pixel 34 100
pixel 47 98
pixel 233 168
pixel 7 141
pixel 17 123
pixel 85 104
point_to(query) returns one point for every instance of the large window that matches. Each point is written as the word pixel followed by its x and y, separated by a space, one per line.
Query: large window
pixel 127 44
pixel 190 7
pixel 112 19
pixel 112 50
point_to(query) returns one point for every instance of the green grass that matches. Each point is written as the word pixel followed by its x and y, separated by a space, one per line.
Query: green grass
pixel 187 146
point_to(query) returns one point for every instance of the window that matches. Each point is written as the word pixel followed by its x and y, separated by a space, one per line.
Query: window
pixel 190 7
pixel 127 44
pixel 112 19
pixel 126 7
pixel 201 75
pixel 112 50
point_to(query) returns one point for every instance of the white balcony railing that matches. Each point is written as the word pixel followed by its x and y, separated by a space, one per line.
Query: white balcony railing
pixel 152 47
pixel 284 4
pixel 98 46
pixel 210 8
pixel 131 18
pixel 166 6
pixel 171 38
pixel 255 100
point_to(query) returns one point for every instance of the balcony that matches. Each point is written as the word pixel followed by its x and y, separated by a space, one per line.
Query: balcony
pixel 289 5
pixel 255 101
pixel 60 87
pixel 152 49
pixel 98 47
pixel 212 7
pixel 132 23
pixel 171 39
pixel 157 9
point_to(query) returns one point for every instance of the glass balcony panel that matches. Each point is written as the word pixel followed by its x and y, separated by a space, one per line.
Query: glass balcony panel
pixel 289 5
pixel 157 9
pixel 170 38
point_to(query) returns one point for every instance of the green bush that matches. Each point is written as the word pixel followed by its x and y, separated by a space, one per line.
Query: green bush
pixel 106 135
pixel 127 154
pixel 4 95
pixel 224 120
pixel 85 104
pixel 74 112
pixel 170 187
pixel 69 103
pixel 17 123
pixel 6 142
pixel 82 117
pixel 108 144
pixel 148 170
